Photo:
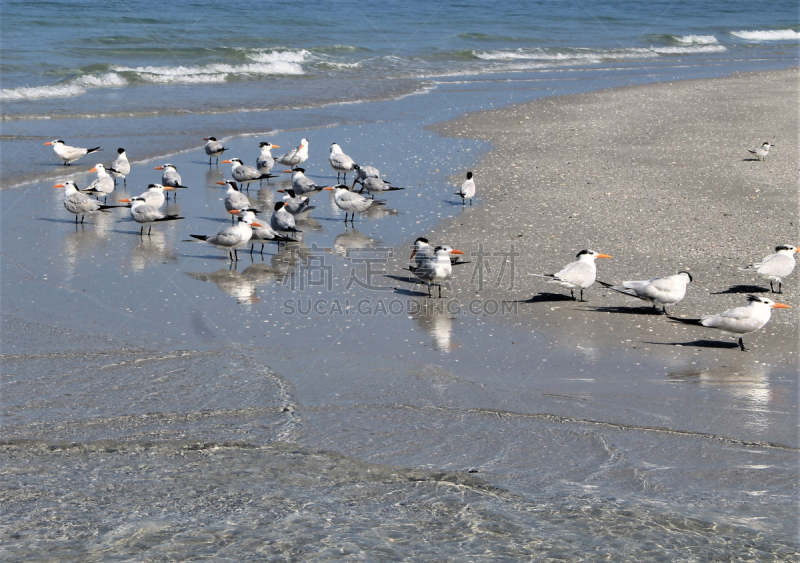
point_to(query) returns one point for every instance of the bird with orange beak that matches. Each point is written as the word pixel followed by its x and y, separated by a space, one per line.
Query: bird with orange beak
pixel 438 269
pixel 67 153
pixel 580 274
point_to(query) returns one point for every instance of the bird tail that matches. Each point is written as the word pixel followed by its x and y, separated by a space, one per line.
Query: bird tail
pixel 749 268
pixel 199 237
pixel 393 188
pixel 107 207
pixel 179 187
pixel 267 176
pixel 698 322
pixel 93 150
pixel 751 151
pixel 617 288
pixel 171 218
pixel 548 276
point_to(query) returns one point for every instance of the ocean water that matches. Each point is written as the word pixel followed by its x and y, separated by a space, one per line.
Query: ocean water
pixel 160 403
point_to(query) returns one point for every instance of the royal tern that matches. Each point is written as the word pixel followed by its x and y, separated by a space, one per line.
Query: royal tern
pixel 282 221
pixel 234 199
pixel 121 167
pixel 467 191
pixel 245 174
pixel 79 203
pixel 376 185
pixel 214 149
pixel 170 177
pixel 739 320
pixel 295 204
pixel 340 162
pixel 775 266
pixel 265 160
pixel 435 270
pixel 232 238
pixel 262 233
pixel 154 196
pixel 146 214
pixel 666 291
pixel 303 185
pixel 102 185
pixel 364 172
pixel 294 157
pixel 67 153
pixel 580 274
pixel 422 252
pixel 761 152
pixel 351 202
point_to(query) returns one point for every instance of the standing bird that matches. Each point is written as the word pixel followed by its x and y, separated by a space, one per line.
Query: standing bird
pixel 282 221
pixel 340 162
pixel 154 196
pixel 79 203
pixel 577 275
pixel 739 320
pixel 170 177
pixel 364 172
pixel 295 204
pixel 236 200
pixel 146 214
pixel 435 270
pixel 303 185
pixel 245 174
pixel 102 185
pixel 761 152
pixel 67 153
pixel 296 156
pixel 121 167
pixel 265 160
pixel 232 238
pixel 775 266
pixel 376 185
pixel 262 233
pixel 422 251
pixel 214 149
pixel 351 202
pixel 666 291
pixel 467 191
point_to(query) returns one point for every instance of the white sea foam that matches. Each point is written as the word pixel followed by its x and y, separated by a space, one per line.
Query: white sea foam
pixel 210 74
pixel 583 56
pixel 772 35
pixel 279 56
pixel 689 49
pixel 67 89
pixel 697 39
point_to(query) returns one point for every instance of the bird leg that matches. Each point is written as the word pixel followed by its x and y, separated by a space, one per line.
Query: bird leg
pixel 149 230
pixel 440 291
pixel 262 249
pixel 741 345
pixel 581 299
pixel 141 232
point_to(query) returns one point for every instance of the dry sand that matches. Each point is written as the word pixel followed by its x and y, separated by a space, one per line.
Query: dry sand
pixel 658 176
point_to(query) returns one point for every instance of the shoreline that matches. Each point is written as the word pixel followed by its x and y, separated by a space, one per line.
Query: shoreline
pixel 617 171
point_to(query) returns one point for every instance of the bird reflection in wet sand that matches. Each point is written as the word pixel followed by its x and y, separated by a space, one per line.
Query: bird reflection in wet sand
pixel 435 321
pixel 352 239
pixel 150 251
pixel 745 382
pixel 281 266
pixel 231 282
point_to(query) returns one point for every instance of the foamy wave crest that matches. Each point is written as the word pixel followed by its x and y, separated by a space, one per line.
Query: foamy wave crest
pixel 582 56
pixel 74 87
pixel 688 50
pixel 40 92
pixel 279 56
pixel 209 74
pixel 773 35
pixel 696 39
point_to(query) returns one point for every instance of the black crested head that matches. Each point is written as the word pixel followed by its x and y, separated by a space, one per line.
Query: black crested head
pixel 583 252
pixel 58 141
pixel 298 169
pixel 356 167
pixel 752 298
pixel 232 184
pixel 438 248
pixel 212 138
pixel 783 247
pixel 343 186
pixel 469 175
pixel 422 239
pixel 278 205
pixel 691 279
pixel 120 150
pixel 153 186
pixel 290 191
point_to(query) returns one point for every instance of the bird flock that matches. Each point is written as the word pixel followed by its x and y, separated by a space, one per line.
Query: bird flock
pixel 431 265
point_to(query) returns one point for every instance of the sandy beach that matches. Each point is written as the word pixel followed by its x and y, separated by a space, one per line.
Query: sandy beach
pixel 160 403
pixel 659 177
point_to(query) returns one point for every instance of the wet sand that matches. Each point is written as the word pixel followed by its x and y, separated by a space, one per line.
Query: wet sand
pixel 659 177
